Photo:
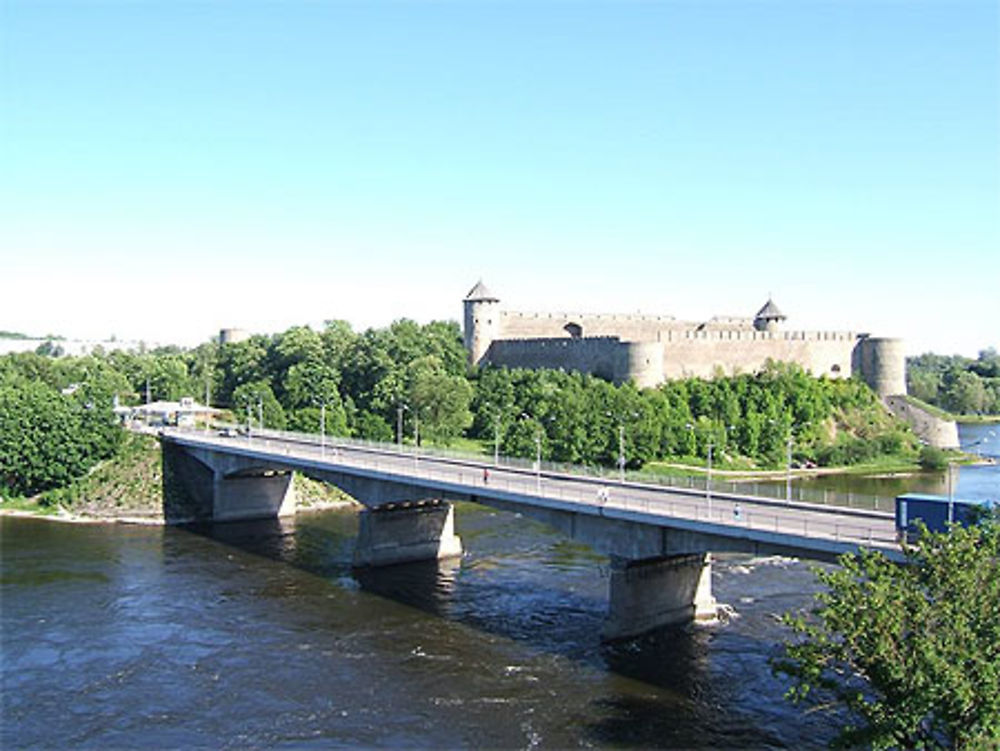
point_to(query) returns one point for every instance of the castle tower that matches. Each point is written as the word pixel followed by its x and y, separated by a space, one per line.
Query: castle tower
pixel 482 321
pixel 769 317
pixel 881 363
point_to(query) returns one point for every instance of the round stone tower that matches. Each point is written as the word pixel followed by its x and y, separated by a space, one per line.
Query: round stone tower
pixel 881 363
pixel 482 321
pixel 644 363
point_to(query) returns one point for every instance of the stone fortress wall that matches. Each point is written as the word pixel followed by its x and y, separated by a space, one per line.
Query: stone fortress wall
pixel 652 348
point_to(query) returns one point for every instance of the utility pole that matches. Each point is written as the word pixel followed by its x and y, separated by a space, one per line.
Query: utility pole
pixel 621 452
pixel 538 460
pixel 788 471
pixel 322 429
pixel 708 481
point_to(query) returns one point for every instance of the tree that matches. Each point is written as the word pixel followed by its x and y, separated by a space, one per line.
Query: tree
pixel 256 400
pixel 439 400
pixel 911 651
pixel 48 438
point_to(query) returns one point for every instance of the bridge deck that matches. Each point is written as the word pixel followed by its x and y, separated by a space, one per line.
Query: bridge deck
pixel 823 531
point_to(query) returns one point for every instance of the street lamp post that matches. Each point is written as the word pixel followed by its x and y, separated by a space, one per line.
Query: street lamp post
pixel 538 459
pixel 621 453
pixel 260 412
pixel 416 436
pixel 538 451
pixel 496 439
pixel 322 428
pixel 951 494
pixel 399 423
pixel 788 471
pixel 708 480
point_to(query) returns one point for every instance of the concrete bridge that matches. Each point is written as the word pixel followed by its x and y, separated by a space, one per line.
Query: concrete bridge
pixel 659 539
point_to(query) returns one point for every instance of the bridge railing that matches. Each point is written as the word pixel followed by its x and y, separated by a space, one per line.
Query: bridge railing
pixel 736 511
pixel 776 489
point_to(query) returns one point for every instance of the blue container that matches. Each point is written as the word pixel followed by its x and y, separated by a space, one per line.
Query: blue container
pixel 936 511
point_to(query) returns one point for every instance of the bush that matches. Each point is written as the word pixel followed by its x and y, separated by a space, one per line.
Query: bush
pixel 934 458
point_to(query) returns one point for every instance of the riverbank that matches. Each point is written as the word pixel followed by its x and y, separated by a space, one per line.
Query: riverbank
pixel 128 489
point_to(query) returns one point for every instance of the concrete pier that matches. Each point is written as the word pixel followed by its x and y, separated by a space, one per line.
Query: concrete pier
pixel 654 592
pixel 260 495
pixel 195 488
pixel 406 532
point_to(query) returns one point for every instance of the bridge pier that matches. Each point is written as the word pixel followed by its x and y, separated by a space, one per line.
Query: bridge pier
pixel 196 488
pixel 652 592
pixel 406 532
pixel 262 495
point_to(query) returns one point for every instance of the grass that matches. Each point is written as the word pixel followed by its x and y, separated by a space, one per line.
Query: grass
pixel 129 483
pixel 687 466
pixel 31 505
pixel 945 415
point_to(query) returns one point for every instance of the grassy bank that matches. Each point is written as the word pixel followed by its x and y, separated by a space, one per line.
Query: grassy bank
pixel 129 486
pixel 691 466
pixel 945 415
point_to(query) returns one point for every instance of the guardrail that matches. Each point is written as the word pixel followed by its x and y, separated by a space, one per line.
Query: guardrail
pixel 776 490
pixel 551 483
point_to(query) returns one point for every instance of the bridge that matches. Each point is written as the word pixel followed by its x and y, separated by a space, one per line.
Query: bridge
pixel 659 539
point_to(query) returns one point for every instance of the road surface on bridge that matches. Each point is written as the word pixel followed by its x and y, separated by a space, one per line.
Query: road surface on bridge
pixel 726 514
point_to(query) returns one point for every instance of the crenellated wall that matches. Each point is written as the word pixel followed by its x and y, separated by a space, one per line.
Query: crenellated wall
pixel 704 353
pixel 649 349
pixel 606 357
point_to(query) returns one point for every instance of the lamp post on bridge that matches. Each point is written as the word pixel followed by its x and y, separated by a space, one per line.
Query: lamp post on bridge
pixel 322 429
pixel 788 470
pixel 620 418
pixel 538 450
pixel 708 481
pixel 400 408
pixel 496 432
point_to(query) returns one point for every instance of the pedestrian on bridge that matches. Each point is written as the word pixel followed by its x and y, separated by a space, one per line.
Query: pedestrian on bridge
pixel 486 476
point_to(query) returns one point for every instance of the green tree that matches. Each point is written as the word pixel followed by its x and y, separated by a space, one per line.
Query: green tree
pixel 257 400
pixel 48 438
pixel 439 400
pixel 911 651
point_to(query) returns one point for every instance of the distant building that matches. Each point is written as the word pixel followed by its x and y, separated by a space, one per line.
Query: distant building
pixel 650 349
pixel 184 413
pixel 68 347
pixel 232 336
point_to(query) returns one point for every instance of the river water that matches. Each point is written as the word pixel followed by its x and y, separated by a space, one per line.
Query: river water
pixel 976 481
pixel 259 635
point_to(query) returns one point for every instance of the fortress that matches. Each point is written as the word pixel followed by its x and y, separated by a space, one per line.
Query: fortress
pixel 649 349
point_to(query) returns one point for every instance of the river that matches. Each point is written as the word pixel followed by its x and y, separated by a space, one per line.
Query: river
pixel 974 481
pixel 260 636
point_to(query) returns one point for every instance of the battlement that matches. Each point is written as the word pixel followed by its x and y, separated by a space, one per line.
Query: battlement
pixel 651 348
pixel 570 316
pixel 753 335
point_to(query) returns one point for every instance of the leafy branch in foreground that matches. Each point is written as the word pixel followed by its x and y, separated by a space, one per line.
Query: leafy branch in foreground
pixel 912 651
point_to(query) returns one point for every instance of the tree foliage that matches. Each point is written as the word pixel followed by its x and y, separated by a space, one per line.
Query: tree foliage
pixel 47 437
pixel 588 420
pixel 958 384
pixel 911 651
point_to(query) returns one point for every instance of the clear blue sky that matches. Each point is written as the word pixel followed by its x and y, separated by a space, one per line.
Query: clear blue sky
pixel 169 168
